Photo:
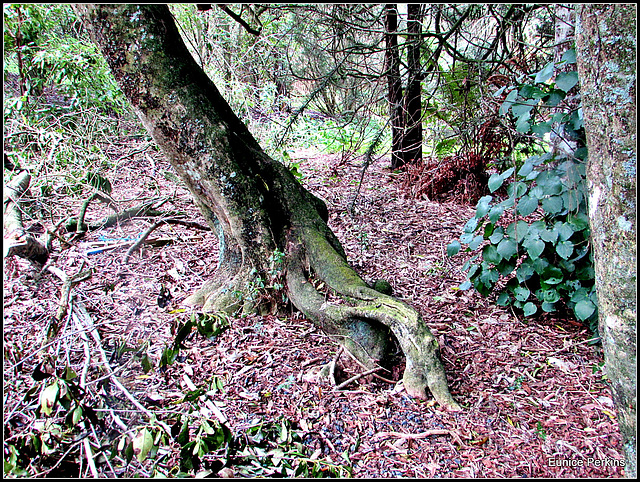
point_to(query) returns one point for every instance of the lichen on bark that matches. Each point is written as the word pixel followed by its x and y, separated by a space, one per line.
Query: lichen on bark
pixel 606 59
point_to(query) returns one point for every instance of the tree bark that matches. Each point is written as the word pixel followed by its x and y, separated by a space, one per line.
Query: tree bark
pixel 606 43
pixel 394 83
pixel 255 204
pixel 412 140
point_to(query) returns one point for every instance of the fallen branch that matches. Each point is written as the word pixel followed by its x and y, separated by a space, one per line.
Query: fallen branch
pixel 89 454
pixel 81 227
pixel 68 282
pixel 17 241
pixel 82 317
pixel 145 235
pixel 146 209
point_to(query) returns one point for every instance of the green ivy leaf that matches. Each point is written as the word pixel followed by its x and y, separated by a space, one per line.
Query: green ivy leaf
pixel 476 242
pixel 465 285
pixel 503 299
pixel 471 225
pixel 550 296
pixel 569 56
pixel 541 128
pixel 546 73
pixel 526 168
pixel 521 109
pixel 552 205
pixel 566 80
pixel 527 205
pixel 466 238
pixel 507 248
pixel 564 249
pixel 506 267
pixel 549 235
pixel 517 189
pixel 565 231
pixel 453 248
pixel 490 254
pixel 489 277
pixel 534 247
pixel 552 275
pixel 524 272
pixel 520 230
pixel 495 213
pixel 529 309
pixel 521 293
pixel 584 309
pixel 495 181
pixel 522 125
pixel 508 102
pixel 483 206
pixel 497 236
pixel 555 97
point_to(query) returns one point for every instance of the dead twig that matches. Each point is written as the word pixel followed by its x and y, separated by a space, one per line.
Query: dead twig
pixel 386 380
pixel 68 282
pixel 84 319
pixel 421 435
pixel 357 377
pixel 151 229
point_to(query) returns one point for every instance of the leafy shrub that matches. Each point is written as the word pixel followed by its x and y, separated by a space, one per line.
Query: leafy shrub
pixel 45 47
pixel 544 252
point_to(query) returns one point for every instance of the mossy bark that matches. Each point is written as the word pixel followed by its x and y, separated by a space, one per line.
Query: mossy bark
pixel 606 59
pixel 254 203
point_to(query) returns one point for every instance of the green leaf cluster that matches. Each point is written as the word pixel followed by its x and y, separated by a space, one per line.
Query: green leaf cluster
pixel 534 102
pixel 537 238
pixel 544 252
pixel 208 325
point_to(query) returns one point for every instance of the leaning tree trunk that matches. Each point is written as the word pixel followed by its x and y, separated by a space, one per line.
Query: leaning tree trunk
pixel 606 55
pixel 254 203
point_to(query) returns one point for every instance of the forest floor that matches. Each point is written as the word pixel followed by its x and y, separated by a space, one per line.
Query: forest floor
pixel 534 393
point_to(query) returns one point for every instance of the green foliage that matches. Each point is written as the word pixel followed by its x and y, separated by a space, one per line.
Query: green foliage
pixel 208 325
pixel 277 449
pixel 537 238
pixel 61 103
pixel 268 286
pixel 45 48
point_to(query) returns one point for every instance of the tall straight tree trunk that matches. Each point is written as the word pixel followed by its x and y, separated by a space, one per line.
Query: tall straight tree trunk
pixel 412 140
pixel 259 210
pixel 606 58
pixel 394 82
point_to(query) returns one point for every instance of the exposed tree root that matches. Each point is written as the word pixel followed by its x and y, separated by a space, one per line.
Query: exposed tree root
pixel 364 321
